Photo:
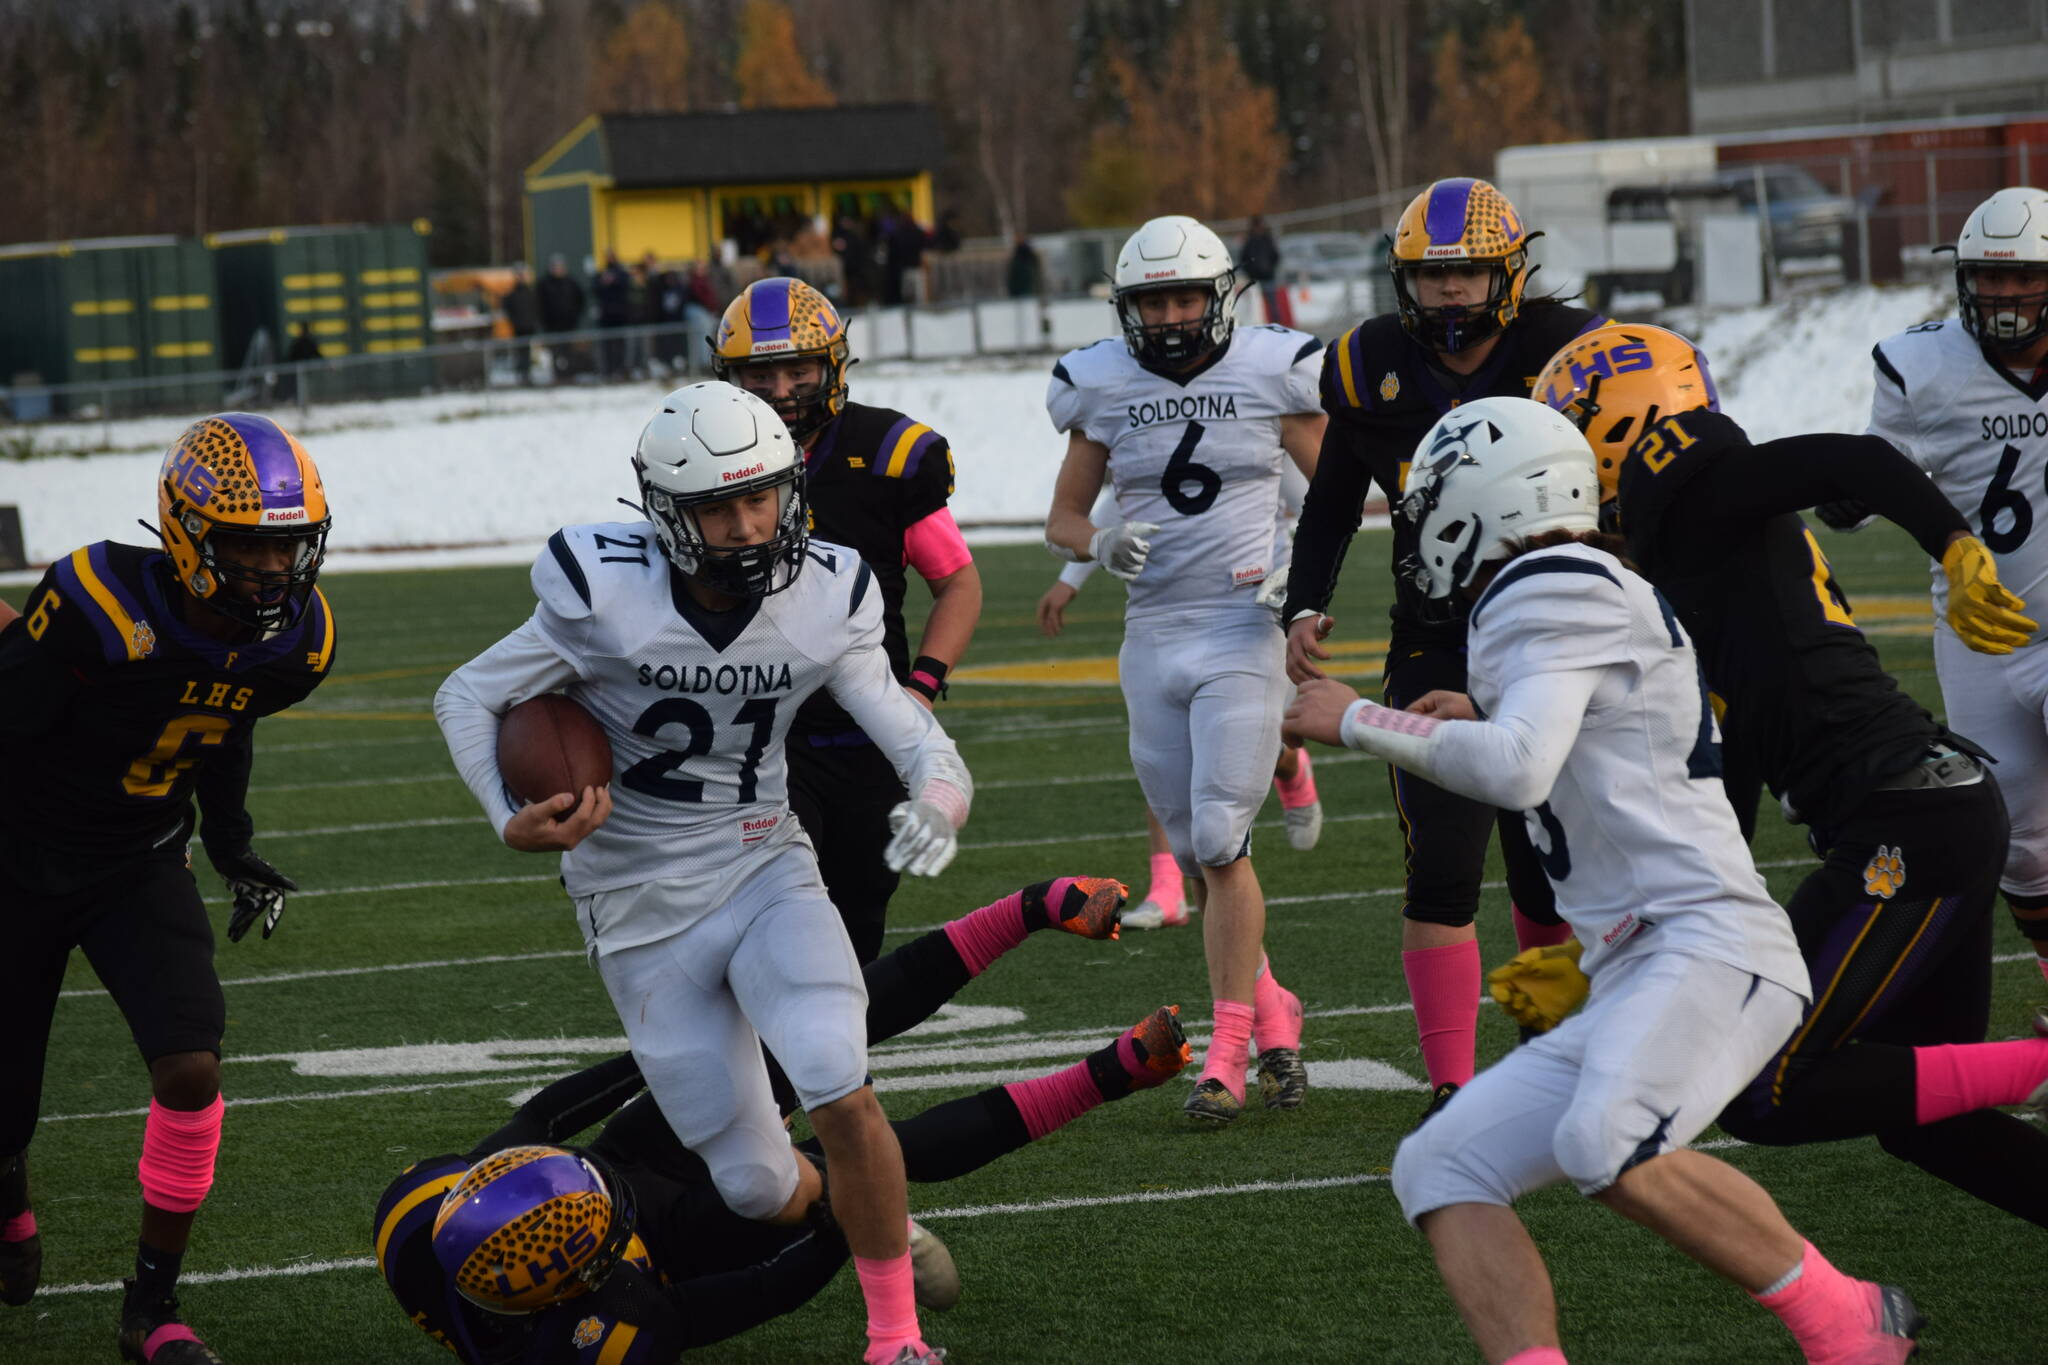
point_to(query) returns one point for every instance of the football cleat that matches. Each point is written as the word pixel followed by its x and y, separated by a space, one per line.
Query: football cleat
pixel 1089 906
pixel 1152 915
pixel 152 1334
pixel 912 1355
pixel 936 1278
pixel 1304 825
pixel 1895 1331
pixel 1212 1102
pixel 1283 1080
pixel 1438 1098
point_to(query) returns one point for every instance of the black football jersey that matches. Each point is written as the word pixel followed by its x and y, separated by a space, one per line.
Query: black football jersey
pixel 115 710
pixel 1711 520
pixel 1383 395
pixel 871 475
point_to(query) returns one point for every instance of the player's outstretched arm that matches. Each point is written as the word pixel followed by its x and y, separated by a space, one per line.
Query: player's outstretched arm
pixel 1510 760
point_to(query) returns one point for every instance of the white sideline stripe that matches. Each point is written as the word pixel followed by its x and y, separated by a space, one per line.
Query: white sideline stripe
pixel 320 831
pixel 323 973
pixel 512 1077
pixel 964 1211
pixel 333 784
pixel 254 1272
pixel 1328 1182
pixel 349 744
pixel 1014 783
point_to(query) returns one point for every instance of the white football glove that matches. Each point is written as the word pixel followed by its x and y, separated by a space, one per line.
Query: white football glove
pixel 1273 593
pixel 1122 549
pixel 924 840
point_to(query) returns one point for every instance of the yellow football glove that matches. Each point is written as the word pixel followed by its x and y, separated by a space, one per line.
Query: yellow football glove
pixel 1985 614
pixel 1538 987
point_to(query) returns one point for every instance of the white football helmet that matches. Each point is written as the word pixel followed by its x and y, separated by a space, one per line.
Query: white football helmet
pixel 2008 231
pixel 1167 253
pixel 1488 474
pixel 710 442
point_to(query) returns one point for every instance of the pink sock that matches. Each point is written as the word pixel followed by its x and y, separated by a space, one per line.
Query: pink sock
pixel 1824 1309
pixel 1166 890
pixel 1227 1045
pixel 1276 1012
pixel 1529 934
pixel 1959 1077
pixel 1049 1102
pixel 1444 983
pixel 981 936
pixel 19 1228
pixel 1299 790
pixel 1537 1355
pixel 892 1306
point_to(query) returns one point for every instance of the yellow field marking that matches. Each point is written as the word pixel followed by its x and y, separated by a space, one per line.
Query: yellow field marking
pixel 1101 670
pixel 392 674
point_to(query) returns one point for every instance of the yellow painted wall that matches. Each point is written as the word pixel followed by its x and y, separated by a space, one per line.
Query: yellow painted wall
pixel 670 223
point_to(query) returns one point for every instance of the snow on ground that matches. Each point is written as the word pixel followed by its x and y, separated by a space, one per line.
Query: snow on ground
pixel 453 479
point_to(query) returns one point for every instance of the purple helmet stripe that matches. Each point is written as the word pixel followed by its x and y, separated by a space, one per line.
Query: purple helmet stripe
pixel 271 454
pixel 1443 223
pixel 768 309
pixel 111 643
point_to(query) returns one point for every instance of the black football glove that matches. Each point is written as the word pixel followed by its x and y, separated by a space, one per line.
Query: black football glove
pixel 1846 515
pixel 258 890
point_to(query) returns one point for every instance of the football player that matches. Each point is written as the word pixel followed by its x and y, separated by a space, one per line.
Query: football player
pixel 654 1263
pixel 1465 329
pixel 130 685
pixel 876 482
pixel 693 637
pixel 1294 781
pixel 1598 727
pixel 1909 825
pixel 1966 398
pixel 1192 419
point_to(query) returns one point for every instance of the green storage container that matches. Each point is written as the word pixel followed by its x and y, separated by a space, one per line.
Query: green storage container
pixel 358 290
pixel 113 308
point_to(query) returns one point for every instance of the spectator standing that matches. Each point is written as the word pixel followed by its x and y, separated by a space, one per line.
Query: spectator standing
pixel 521 307
pixel 613 292
pixel 561 310
pixel 1259 258
pixel 1026 276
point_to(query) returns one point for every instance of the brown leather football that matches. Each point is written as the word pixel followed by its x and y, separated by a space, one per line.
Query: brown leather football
pixel 548 745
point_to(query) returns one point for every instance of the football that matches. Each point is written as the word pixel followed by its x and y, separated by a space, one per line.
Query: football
pixel 548 745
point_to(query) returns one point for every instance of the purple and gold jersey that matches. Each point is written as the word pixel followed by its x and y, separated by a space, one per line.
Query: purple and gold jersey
pixel 113 710
pixel 871 475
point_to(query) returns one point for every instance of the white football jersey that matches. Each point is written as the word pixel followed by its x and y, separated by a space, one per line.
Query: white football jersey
pixel 1199 457
pixel 1981 434
pixel 696 704
pixel 1637 835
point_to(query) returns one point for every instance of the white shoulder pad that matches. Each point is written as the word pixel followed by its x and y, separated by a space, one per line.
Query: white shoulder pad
pixel 1080 379
pixel 1916 376
pixel 1555 611
pixel 834 604
pixel 581 564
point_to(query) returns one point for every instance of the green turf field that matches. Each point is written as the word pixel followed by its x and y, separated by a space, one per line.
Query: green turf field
pixel 1126 1237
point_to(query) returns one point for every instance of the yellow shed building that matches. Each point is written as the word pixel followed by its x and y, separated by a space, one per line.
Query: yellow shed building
pixel 679 184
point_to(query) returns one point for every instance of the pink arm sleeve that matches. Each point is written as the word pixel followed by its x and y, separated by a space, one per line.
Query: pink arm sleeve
pixel 935 548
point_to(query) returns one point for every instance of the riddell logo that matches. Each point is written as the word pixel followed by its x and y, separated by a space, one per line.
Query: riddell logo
pixel 1161 274
pixel 770 347
pixel 288 514
pixel 1619 931
pixel 2000 255
pixel 1250 575
pixel 753 831
pixel 1440 252
pixel 749 472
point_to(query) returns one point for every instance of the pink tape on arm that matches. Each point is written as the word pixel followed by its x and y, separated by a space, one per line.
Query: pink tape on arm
pixel 935 548
pixel 178 1151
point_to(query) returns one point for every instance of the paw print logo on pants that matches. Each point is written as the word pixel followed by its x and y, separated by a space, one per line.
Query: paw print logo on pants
pixel 1884 874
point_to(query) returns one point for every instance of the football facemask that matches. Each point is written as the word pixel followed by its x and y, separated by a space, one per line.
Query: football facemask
pixel 1460 222
pixel 784 319
pixel 1175 252
pixel 2005 235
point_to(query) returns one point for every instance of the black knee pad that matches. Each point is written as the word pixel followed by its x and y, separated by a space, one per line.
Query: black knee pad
pixel 1450 916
